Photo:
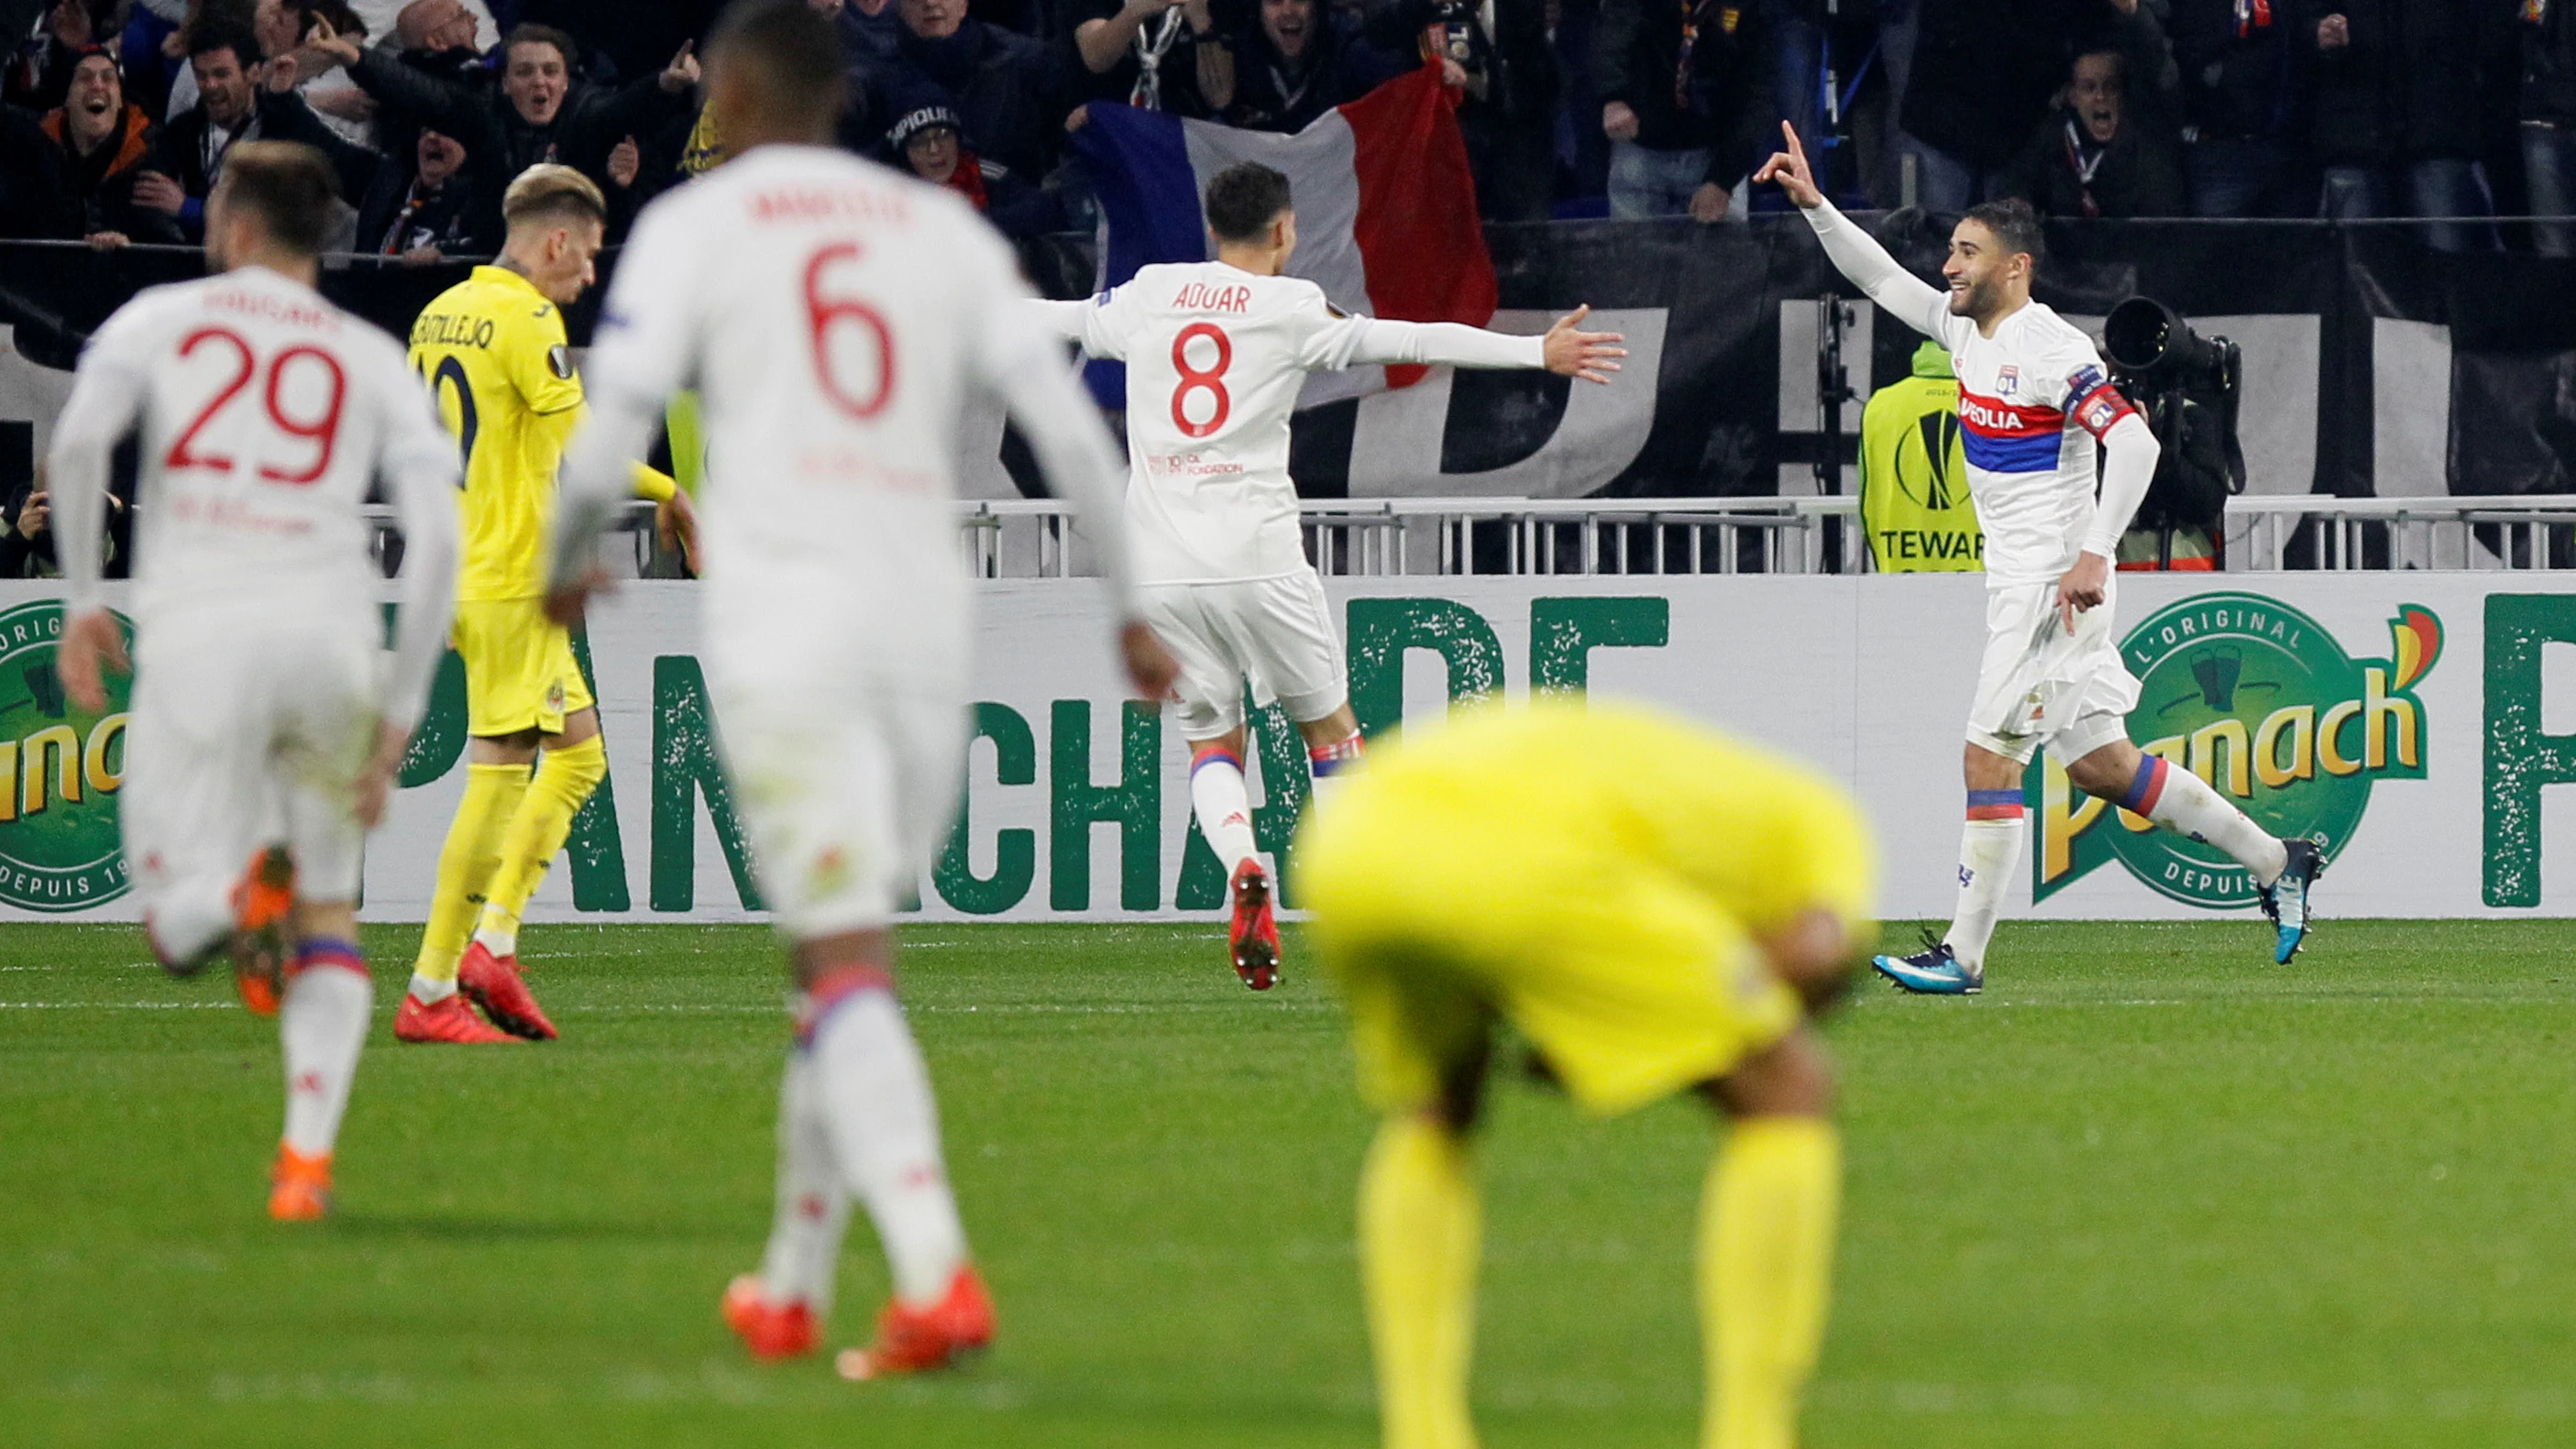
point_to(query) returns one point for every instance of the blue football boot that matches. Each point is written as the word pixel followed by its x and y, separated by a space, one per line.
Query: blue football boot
pixel 2286 900
pixel 1932 971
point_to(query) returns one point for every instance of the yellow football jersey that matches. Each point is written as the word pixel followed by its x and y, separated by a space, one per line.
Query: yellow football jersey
pixel 493 352
pixel 1559 789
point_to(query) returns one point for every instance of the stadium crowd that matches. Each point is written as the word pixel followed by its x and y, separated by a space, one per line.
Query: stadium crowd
pixel 118 112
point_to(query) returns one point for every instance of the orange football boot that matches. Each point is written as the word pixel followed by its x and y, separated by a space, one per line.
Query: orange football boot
pixel 1254 937
pixel 300 1186
pixel 917 1340
pixel 447 1019
pixel 769 1330
pixel 263 912
pixel 496 986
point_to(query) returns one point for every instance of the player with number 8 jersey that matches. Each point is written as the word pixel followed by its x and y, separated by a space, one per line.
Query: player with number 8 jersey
pixel 1216 354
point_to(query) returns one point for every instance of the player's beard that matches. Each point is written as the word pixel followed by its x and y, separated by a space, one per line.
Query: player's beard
pixel 1976 301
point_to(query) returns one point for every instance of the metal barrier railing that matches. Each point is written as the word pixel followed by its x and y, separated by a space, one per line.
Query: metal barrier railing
pixel 1039 538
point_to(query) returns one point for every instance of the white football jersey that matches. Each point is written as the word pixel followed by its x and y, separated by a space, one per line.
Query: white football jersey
pixel 835 318
pixel 265 415
pixel 2032 399
pixel 1216 357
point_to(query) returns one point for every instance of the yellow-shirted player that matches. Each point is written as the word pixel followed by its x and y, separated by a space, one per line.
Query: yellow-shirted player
pixel 493 352
pixel 1646 931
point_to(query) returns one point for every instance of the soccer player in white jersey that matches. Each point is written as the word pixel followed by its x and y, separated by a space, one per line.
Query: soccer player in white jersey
pixel 264 726
pixel 834 317
pixel 1216 353
pixel 2033 398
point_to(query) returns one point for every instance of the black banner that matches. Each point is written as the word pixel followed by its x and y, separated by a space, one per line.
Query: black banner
pixel 2374 364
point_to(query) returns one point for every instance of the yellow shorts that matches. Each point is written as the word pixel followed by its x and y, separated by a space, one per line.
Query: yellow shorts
pixel 1631 983
pixel 519 669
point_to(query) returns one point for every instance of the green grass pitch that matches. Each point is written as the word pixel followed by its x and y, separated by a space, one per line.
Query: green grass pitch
pixel 2149 1190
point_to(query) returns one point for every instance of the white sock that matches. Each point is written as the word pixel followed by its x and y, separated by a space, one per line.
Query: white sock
pixel 804 1254
pixel 188 918
pixel 501 941
pixel 1989 848
pixel 1327 761
pixel 2183 803
pixel 428 992
pixel 322 1024
pixel 1224 807
pixel 875 1095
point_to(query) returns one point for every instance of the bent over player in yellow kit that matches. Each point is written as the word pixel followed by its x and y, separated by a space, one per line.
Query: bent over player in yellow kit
pixel 492 349
pixel 1647 933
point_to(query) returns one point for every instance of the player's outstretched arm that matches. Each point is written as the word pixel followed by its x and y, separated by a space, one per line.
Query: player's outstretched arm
pixel 1564 349
pixel 1854 252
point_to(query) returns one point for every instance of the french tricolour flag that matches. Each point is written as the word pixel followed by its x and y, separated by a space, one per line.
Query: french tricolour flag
pixel 1386 210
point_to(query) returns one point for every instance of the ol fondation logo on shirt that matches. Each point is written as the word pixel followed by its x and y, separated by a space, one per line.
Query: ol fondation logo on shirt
pixel 2260 701
pixel 60 769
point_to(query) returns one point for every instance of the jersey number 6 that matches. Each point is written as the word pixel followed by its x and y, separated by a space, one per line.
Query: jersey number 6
pixel 1196 379
pixel 323 432
pixel 822 314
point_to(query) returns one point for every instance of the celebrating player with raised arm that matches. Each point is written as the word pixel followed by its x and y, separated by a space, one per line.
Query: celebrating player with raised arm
pixel 261 731
pixel 835 317
pixel 492 350
pixel 1216 353
pixel 2033 397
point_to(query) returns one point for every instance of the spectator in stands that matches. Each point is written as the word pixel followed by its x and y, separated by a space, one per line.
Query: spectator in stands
pixel 2400 108
pixel 427 210
pixel 1498 55
pixel 1006 88
pixel 427 26
pixel 929 142
pixel 234 103
pixel 1983 73
pixel 40 73
pixel 2548 118
pixel 27 534
pixel 2244 150
pixel 2093 158
pixel 542 110
pixel 281 26
pixel 73 173
pixel 1163 55
pixel 1686 104
pixel 1302 59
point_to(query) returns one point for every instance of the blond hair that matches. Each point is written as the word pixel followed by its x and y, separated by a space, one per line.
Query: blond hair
pixel 288 185
pixel 547 191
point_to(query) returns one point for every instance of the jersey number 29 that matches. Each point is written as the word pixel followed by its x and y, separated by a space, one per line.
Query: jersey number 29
pixel 321 432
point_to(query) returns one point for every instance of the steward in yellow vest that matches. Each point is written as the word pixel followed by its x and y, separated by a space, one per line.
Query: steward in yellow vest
pixel 1914 474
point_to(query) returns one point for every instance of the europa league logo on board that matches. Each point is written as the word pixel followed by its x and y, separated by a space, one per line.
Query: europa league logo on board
pixel 2259 700
pixel 60 770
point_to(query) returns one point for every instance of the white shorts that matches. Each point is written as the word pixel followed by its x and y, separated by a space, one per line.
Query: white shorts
pixel 846 785
pixel 1274 635
pixel 2040 685
pixel 246 734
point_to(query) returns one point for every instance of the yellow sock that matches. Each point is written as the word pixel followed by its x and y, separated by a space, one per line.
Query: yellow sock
pixel 465 865
pixel 1766 1250
pixel 565 777
pixel 1419 1228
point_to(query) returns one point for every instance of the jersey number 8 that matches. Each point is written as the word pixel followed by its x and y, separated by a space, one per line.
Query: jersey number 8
pixel 1210 380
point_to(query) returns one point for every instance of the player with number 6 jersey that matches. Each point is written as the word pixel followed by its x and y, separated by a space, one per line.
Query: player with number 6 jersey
pixel 1216 353
pixel 265 728
pixel 835 317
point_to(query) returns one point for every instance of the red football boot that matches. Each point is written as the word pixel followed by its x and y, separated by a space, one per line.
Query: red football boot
pixel 447 1019
pixel 495 985
pixel 770 1330
pixel 263 912
pixel 299 1186
pixel 1254 937
pixel 917 1340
